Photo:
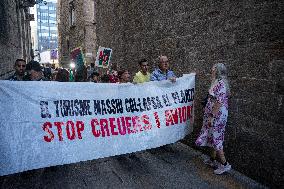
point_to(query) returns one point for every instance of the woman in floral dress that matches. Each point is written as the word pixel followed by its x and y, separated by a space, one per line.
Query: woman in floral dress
pixel 215 118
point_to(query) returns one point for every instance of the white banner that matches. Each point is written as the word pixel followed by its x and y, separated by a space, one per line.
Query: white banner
pixel 52 123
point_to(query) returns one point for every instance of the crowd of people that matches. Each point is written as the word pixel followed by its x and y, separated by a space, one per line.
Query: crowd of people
pixel 33 71
pixel 215 110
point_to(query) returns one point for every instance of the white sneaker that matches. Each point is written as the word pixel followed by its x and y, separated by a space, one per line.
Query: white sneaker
pixel 223 168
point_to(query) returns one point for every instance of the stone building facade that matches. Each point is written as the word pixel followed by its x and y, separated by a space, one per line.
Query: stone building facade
pixel 15 34
pixel 76 28
pixel 245 35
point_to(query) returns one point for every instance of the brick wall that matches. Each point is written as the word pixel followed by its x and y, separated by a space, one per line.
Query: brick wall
pixel 14 36
pixel 246 35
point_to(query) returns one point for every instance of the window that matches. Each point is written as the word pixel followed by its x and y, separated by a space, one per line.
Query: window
pixel 72 14
pixel 52 22
pixel 68 43
pixel 43 7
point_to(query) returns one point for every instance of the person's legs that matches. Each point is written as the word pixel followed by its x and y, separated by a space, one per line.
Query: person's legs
pixel 221 155
pixel 212 161
pixel 212 154
pixel 225 166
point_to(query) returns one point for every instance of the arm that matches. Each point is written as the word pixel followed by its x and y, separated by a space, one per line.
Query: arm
pixel 214 113
pixel 172 76
pixel 215 109
pixel 218 99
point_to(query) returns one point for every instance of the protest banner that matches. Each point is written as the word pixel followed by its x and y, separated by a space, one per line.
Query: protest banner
pixel 103 57
pixel 53 123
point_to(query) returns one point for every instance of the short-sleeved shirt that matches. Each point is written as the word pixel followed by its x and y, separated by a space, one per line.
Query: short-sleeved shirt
pixel 158 75
pixel 141 78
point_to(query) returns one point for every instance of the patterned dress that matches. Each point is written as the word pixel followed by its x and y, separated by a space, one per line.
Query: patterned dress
pixel 212 134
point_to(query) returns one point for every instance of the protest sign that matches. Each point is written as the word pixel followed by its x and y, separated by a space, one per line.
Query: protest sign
pixel 53 123
pixel 103 57
pixel 53 54
pixel 77 56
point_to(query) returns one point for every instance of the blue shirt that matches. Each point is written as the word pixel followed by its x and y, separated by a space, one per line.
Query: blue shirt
pixel 158 75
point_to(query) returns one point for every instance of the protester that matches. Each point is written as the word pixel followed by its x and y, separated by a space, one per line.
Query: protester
pixel 20 68
pixel 215 118
pixel 113 74
pixel 81 74
pixel 143 75
pixel 54 73
pixel 163 72
pixel 36 72
pixel 94 77
pixel 62 75
pixel 28 70
pixel 105 79
pixel 123 76
pixel 47 71
pixel 72 72
pixel 90 69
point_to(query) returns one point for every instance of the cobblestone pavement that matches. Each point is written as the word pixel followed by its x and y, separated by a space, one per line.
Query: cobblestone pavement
pixel 170 166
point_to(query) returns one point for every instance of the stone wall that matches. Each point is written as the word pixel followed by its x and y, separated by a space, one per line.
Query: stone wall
pixel 81 34
pixel 15 39
pixel 89 31
pixel 246 35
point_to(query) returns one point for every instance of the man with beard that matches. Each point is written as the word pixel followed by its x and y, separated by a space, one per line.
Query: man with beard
pixel 143 75
pixel 20 68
